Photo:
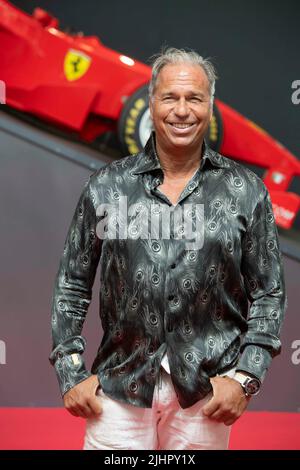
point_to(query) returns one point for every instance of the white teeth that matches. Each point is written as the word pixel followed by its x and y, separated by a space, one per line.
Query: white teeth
pixel 182 125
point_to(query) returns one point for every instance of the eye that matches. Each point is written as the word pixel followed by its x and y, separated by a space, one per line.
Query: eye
pixel 168 99
pixel 196 99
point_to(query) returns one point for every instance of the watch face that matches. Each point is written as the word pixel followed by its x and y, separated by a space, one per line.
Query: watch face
pixel 252 386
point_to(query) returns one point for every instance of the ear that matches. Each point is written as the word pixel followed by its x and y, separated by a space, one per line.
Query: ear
pixel 211 112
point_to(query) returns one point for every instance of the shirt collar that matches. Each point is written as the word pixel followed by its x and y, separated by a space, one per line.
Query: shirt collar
pixel 148 160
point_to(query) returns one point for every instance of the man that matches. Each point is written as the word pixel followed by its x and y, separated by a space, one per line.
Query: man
pixel 180 355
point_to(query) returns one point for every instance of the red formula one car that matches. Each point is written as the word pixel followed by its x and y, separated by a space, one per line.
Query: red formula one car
pixel 75 83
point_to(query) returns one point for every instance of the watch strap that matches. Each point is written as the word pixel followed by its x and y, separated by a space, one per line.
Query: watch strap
pixel 241 377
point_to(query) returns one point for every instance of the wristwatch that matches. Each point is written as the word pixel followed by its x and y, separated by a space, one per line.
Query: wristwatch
pixel 250 385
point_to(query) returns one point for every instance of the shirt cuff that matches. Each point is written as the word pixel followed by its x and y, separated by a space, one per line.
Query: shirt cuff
pixel 70 371
pixel 254 360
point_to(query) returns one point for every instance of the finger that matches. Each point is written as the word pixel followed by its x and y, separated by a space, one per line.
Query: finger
pixel 73 413
pixel 229 422
pixel 225 417
pixel 219 415
pixel 95 406
pixel 81 411
pixel 210 407
pixel 76 411
pixel 86 410
pixel 71 407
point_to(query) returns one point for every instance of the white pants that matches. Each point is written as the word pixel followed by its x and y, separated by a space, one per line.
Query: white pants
pixel 165 426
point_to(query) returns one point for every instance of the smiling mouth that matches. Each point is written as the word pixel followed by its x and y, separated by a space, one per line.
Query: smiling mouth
pixel 181 125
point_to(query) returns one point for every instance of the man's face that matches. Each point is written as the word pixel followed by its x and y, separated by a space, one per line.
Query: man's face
pixel 181 109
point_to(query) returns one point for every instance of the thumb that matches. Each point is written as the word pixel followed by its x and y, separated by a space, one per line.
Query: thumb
pixel 94 401
pixel 95 405
pixel 211 406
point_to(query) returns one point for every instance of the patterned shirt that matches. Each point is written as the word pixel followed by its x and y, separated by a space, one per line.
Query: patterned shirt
pixel 209 304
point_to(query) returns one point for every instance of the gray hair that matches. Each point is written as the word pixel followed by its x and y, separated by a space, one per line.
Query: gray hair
pixel 171 55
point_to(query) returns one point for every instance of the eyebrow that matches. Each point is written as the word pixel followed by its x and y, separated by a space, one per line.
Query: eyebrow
pixel 191 94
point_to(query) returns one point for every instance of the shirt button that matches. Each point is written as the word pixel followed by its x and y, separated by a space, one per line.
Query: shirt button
pixel 173 266
pixel 171 297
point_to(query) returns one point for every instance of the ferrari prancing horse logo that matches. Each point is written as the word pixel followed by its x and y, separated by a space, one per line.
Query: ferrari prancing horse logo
pixel 76 64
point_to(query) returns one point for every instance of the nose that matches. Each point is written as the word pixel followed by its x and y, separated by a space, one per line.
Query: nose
pixel 181 108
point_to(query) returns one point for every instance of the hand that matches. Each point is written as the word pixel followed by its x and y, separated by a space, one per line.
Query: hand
pixel 81 400
pixel 228 402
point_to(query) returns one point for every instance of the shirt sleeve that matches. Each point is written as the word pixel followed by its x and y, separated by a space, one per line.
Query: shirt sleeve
pixel 73 292
pixel 262 269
